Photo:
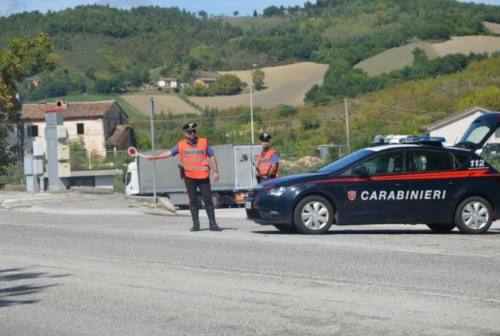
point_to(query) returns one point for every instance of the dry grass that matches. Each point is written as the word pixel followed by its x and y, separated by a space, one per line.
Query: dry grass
pixel 286 84
pixel 468 44
pixel 397 58
pixel 163 103
pixel 492 27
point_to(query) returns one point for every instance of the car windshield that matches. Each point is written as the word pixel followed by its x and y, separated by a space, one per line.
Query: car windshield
pixel 345 162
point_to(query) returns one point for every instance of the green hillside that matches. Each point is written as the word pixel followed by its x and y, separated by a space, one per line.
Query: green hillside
pixel 401 109
pixel 108 50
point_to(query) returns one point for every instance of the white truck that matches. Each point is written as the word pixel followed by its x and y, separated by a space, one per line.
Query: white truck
pixel 236 170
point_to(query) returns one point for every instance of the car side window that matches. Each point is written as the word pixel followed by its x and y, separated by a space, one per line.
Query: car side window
pixel 461 160
pixel 430 161
pixel 392 162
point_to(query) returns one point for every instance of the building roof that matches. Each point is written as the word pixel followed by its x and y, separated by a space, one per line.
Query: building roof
pixel 74 110
pixel 120 137
pixel 454 117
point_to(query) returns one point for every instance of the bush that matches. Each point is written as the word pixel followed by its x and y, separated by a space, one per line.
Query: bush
pixel 287 111
pixel 228 84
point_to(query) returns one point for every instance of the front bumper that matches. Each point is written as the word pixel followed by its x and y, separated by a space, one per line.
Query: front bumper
pixel 267 210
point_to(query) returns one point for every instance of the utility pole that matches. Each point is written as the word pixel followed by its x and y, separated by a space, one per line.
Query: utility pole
pixel 252 131
pixel 347 126
pixel 251 112
pixel 151 118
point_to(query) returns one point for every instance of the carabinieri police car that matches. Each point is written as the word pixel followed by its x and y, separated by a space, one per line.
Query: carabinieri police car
pixel 419 181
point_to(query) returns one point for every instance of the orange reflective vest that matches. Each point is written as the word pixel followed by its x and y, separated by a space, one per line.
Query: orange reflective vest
pixel 194 159
pixel 264 162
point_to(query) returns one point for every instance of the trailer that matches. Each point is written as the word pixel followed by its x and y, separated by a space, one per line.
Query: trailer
pixel 236 170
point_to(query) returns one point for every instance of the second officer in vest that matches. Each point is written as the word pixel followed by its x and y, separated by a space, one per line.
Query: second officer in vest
pixel 267 160
pixel 195 156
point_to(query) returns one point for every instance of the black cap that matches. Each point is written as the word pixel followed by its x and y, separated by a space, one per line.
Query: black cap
pixel 265 136
pixel 191 126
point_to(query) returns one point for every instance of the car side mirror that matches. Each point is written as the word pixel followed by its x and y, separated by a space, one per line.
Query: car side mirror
pixel 360 171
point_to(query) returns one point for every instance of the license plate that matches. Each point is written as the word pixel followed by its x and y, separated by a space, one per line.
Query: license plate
pixel 248 205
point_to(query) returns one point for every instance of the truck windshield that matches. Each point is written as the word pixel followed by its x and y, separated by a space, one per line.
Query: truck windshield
pixel 345 162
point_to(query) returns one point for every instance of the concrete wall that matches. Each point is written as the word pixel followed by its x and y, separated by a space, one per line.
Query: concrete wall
pixel 112 117
pixel 454 131
pixel 104 182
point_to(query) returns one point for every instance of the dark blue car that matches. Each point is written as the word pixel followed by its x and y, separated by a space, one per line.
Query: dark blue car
pixel 417 182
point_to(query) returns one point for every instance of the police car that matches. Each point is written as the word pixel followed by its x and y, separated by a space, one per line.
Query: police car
pixel 419 181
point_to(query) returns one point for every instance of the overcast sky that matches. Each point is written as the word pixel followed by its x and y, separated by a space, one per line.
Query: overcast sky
pixel 214 7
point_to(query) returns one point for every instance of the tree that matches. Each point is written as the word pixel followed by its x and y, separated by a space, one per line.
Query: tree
pixel 22 58
pixel 203 14
pixel 255 13
pixel 227 84
pixel 204 57
pixel 271 11
pixel 258 79
pixel 236 13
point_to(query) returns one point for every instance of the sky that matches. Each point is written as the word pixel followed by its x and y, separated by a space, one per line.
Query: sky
pixel 213 7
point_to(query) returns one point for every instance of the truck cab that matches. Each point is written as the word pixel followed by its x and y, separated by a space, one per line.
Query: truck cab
pixel 132 179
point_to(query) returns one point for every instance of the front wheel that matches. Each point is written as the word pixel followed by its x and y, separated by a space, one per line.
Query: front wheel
pixel 474 215
pixel 313 215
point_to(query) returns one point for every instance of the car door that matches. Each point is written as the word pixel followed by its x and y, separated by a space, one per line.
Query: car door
pixel 480 131
pixel 374 189
pixel 433 185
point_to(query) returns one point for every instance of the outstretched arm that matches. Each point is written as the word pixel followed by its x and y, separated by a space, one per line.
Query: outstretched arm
pixel 159 156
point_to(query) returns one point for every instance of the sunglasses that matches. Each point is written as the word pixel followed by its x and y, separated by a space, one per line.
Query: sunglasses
pixel 191 132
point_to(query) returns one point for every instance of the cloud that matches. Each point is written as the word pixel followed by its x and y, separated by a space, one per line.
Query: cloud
pixel 8 7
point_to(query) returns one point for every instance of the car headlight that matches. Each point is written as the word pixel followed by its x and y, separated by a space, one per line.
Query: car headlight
pixel 277 192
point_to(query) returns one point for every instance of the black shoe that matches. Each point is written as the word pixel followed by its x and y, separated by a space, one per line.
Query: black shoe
pixel 211 219
pixel 196 220
pixel 215 228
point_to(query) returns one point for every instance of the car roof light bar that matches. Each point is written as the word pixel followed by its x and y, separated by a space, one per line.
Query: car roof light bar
pixel 423 140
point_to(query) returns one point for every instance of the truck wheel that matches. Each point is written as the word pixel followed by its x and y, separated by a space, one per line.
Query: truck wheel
pixel 286 228
pixel 313 215
pixel 474 215
pixel 441 228
pixel 216 200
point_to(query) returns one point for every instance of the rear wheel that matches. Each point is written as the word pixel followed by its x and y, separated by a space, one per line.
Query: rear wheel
pixel 286 228
pixel 441 228
pixel 216 200
pixel 313 215
pixel 474 215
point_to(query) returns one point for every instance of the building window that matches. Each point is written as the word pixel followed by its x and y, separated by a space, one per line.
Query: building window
pixel 32 131
pixel 80 129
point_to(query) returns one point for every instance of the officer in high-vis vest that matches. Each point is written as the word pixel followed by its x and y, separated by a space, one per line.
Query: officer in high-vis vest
pixel 195 156
pixel 267 160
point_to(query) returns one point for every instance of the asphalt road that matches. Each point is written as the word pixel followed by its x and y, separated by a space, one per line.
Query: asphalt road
pixel 100 266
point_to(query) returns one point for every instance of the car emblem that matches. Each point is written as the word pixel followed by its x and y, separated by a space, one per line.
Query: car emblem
pixel 351 195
